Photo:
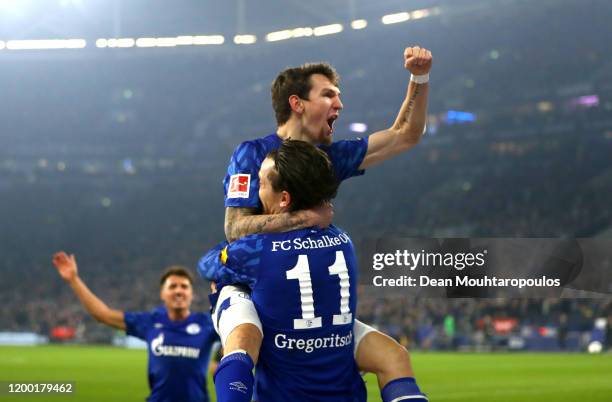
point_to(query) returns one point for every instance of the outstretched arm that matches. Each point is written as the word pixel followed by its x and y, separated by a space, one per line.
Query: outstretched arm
pixel 240 222
pixel 67 268
pixel 410 123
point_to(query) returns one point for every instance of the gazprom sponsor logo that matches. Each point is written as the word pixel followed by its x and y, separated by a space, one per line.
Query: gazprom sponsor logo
pixel 159 349
pixel 308 345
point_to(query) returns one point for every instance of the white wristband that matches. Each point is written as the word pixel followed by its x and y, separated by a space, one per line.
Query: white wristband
pixel 420 79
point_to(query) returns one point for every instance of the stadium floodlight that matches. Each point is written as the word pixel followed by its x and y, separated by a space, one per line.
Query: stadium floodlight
pixel 301 32
pixel 359 24
pixel 395 18
pixel 115 42
pixel 418 14
pixel 126 42
pixel 184 40
pixel 208 40
pixel 166 42
pixel 328 29
pixel 279 35
pixel 38 44
pixel 289 33
pixel 245 39
pixel 146 42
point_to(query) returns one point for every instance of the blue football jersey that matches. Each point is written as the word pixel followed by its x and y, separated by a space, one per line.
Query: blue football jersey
pixel 241 182
pixel 303 286
pixel 178 352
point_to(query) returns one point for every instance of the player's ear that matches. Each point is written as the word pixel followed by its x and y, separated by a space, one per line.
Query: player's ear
pixel 296 103
pixel 285 200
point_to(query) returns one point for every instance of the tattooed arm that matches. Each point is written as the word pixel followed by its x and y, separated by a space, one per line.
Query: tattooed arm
pixel 411 119
pixel 240 222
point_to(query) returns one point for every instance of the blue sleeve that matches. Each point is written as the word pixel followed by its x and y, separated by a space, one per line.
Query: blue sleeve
pixel 236 262
pixel 137 324
pixel 213 337
pixel 241 183
pixel 210 266
pixel 347 156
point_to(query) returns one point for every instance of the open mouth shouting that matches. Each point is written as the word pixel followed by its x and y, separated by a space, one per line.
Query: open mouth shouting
pixel 330 122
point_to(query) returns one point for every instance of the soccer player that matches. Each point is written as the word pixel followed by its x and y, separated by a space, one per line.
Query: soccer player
pixel 179 341
pixel 302 283
pixel 306 102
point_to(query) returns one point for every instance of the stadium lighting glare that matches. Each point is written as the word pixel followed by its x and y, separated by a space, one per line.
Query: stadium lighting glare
pixel 208 40
pixel 301 32
pixel 15 8
pixel 395 18
pixel 166 42
pixel 146 42
pixel 359 24
pixel 46 44
pixel 114 42
pixel 279 35
pixel 418 14
pixel 358 127
pixel 328 29
pixel 289 33
pixel 68 3
pixel 183 40
pixel 245 39
pixel 126 42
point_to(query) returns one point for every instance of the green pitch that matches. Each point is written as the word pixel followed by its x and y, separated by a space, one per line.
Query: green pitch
pixel 111 374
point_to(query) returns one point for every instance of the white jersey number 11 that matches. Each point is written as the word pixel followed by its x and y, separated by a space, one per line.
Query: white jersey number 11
pixel 301 272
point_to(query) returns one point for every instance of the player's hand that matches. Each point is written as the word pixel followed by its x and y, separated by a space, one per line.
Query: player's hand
pixel 66 265
pixel 321 216
pixel 417 60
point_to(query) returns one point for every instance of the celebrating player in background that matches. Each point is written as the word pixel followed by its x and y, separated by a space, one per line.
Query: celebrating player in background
pixel 179 341
pixel 306 102
pixel 302 284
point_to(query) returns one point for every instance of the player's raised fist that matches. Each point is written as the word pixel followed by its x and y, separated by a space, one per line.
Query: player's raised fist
pixel 66 265
pixel 417 60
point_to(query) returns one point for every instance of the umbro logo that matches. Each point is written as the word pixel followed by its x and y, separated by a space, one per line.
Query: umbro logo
pixel 238 386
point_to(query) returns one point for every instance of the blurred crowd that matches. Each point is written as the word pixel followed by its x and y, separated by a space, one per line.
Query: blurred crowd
pixel 120 160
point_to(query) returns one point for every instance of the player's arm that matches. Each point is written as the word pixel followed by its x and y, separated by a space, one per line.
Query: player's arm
pixel 409 125
pixel 67 268
pixel 240 222
pixel 232 263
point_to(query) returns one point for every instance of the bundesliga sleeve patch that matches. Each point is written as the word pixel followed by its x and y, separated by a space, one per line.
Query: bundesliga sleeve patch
pixel 239 186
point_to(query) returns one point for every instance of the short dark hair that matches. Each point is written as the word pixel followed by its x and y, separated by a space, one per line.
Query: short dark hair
pixel 296 81
pixel 305 172
pixel 176 270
